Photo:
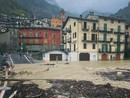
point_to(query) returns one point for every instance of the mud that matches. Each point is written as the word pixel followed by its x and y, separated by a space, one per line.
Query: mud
pixel 68 89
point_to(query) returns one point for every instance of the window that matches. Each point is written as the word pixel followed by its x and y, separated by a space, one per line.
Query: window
pixel 118 38
pixel 31 41
pixel 84 46
pixel 94 37
pixel 74 23
pixel 53 42
pixel 54 35
pixel 46 35
pixel 24 34
pixel 85 36
pixel 104 47
pixel 111 39
pixel 118 47
pixel 94 26
pixel 94 46
pixel 85 25
pixel 30 34
pixel 119 21
pixel 104 37
pixel 74 47
pixel 74 35
pixel 119 29
pixel 112 20
pixel 45 41
pixel 36 34
pixel 105 18
pixel 111 29
pixel 70 27
pixel 105 27
pixel 36 41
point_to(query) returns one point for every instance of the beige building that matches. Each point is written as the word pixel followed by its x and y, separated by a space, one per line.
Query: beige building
pixel 94 38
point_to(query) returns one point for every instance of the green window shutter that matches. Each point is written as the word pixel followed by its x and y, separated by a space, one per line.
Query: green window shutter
pixel 119 29
pixel 118 47
pixel 104 37
pixel 118 38
pixel 105 27
pixel 110 48
pixel 104 48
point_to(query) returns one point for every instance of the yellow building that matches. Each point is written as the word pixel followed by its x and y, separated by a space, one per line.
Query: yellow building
pixel 94 38
pixel 57 22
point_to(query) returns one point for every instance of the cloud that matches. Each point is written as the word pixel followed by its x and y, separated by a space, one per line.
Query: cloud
pixel 80 6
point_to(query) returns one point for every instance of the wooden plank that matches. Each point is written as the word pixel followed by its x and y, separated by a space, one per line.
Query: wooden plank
pixel 5 88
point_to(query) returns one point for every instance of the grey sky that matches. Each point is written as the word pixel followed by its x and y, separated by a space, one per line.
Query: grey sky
pixel 80 6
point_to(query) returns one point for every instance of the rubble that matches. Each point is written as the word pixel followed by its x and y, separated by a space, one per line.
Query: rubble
pixel 119 75
pixel 69 89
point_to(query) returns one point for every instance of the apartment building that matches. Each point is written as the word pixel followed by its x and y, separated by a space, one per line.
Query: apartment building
pixel 94 38
pixel 39 38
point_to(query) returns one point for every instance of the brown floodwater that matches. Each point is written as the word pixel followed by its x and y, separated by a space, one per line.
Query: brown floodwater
pixel 103 64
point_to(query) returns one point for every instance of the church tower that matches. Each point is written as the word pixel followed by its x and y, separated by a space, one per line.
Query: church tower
pixel 62 14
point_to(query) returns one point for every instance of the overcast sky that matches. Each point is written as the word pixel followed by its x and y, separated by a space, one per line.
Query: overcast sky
pixel 80 6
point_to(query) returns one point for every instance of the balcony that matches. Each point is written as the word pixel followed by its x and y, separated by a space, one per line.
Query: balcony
pixel 104 40
pixel 95 29
pixel 64 42
pixel 85 29
pixel 120 41
pixel 110 51
pixel 32 37
pixel 108 30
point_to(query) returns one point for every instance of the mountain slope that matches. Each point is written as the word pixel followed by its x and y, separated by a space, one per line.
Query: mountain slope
pixel 124 13
pixel 40 8
pixel 11 7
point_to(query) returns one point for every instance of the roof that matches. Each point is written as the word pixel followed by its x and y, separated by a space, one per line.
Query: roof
pixel 78 18
pixel 47 28
pixel 115 18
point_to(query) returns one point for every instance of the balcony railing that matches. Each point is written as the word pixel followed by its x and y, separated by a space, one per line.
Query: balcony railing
pixel 116 31
pixel 110 51
pixel 107 40
pixel 85 29
pixel 108 30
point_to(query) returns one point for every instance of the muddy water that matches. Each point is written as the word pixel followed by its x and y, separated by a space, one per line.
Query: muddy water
pixel 104 64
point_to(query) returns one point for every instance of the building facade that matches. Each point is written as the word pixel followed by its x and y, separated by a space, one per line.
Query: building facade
pixel 40 38
pixel 94 38
pixel 58 22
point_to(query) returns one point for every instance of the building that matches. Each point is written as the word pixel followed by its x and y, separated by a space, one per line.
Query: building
pixel 94 38
pixel 57 22
pixel 44 22
pixel 127 42
pixel 39 38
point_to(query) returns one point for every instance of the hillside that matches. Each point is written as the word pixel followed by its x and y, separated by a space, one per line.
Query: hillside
pixel 11 7
pixel 124 13
pixel 40 8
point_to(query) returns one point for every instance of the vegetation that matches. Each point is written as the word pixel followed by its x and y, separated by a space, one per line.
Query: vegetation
pixel 11 7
